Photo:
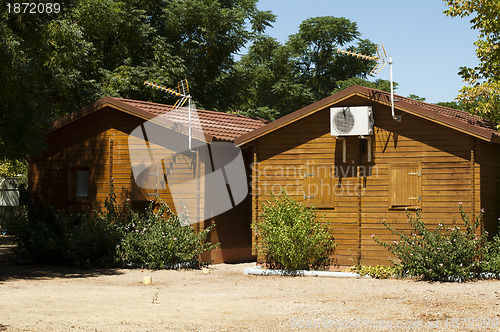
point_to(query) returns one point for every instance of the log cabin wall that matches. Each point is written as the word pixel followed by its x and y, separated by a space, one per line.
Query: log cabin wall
pixel 413 164
pixel 82 145
pixel 100 144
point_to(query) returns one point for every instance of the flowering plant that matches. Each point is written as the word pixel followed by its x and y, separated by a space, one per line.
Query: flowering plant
pixel 440 254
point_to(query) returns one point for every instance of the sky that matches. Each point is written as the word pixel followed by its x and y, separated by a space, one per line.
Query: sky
pixel 427 47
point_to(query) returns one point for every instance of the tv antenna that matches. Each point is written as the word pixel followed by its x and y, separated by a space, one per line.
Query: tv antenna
pixel 183 92
pixel 382 60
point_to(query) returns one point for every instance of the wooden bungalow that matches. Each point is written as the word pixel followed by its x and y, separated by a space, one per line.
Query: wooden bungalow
pixel 91 148
pixel 431 158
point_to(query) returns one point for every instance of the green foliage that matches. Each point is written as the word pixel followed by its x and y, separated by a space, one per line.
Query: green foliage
pixel 276 78
pixel 260 112
pixel 154 237
pixel 412 96
pixel 378 84
pixel 453 104
pixel 440 254
pixel 491 257
pixel 483 89
pixel 53 64
pixel 157 239
pixel 13 168
pixel 379 271
pixel 45 234
pixel 291 237
pixel 58 63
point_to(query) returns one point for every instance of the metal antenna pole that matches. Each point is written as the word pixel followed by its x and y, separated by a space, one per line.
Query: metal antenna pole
pixel 394 116
pixel 190 129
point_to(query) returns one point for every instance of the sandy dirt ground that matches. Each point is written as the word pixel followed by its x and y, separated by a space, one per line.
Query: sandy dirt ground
pixel 43 298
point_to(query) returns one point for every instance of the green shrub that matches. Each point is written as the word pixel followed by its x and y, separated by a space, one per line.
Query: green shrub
pixel 291 237
pixel 379 271
pixel 45 234
pixel 440 254
pixel 154 238
pixel 157 239
pixel 491 256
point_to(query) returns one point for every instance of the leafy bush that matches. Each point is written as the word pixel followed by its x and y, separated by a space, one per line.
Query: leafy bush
pixel 440 254
pixel 491 256
pixel 48 235
pixel 379 271
pixel 154 238
pixel 157 239
pixel 291 237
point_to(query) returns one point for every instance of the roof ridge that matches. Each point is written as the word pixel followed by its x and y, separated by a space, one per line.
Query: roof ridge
pixel 221 125
pixel 125 100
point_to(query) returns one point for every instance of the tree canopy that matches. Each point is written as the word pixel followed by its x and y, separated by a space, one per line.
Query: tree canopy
pixel 53 64
pixel 482 94
pixel 276 79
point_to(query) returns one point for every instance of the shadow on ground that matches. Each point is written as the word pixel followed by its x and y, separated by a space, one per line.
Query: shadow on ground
pixel 12 268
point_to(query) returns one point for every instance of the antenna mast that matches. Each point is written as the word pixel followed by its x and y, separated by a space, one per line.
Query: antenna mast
pixel 183 92
pixel 381 59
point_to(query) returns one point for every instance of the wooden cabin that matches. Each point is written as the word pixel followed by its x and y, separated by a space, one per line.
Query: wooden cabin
pixel 90 148
pixel 432 160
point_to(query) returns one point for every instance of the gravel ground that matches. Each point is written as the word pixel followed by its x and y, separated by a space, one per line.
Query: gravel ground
pixel 43 298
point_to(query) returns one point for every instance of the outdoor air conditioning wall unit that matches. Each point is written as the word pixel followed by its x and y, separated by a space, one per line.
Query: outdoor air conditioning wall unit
pixel 351 121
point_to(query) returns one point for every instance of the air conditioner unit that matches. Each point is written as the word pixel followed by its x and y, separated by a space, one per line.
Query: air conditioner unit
pixel 351 121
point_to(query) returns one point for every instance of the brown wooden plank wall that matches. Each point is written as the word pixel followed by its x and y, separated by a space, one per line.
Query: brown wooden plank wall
pixel 84 144
pixel 88 142
pixel 443 154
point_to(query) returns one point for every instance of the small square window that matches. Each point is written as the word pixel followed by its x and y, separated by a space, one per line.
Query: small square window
pixel 82 183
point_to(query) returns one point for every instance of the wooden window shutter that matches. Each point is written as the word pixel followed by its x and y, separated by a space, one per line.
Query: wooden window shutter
pixel 405 186
pixel 319 186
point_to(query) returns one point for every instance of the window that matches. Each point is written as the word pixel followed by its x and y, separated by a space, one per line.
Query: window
pixel 405 186
pixel 319 188
pixel 82 183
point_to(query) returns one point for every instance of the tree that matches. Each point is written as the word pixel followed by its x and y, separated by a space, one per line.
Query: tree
pixel 483 81
pixel 415 97
pixel 378 84
pixel 53 64
pixel 283 78
pixel 453 104
pixel 13 168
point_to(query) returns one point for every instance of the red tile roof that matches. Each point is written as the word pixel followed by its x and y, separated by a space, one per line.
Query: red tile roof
pixel 218 125
pixel 223 126
pixel 459 115
pixel 456 119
